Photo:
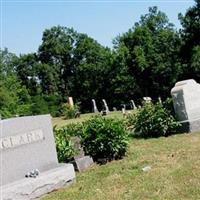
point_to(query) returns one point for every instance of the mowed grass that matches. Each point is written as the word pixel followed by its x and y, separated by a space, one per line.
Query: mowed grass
pixel 62 121
pixel 174 174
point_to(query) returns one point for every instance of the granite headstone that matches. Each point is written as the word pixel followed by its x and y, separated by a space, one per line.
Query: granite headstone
pixel 186 100
pixel 26 145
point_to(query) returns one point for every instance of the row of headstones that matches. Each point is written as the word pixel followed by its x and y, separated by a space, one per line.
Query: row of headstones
pixel 132 103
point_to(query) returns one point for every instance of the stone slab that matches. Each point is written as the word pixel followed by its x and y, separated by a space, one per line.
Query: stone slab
pixel 81 164
pixel 33 188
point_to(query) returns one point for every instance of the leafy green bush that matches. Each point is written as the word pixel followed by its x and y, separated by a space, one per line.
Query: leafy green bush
pixel 64 146
pixel 104 138
pixel 68 111
pixel 153 121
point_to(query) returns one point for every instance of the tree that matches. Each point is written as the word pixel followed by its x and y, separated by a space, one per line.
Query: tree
pixel 150 54
pixel 56 55
pixel 14 97
pixel 190 34
pixel 73 64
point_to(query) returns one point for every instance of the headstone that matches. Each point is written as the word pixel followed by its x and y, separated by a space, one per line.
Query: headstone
pixel 70 101
pixel 114 109
pixel 147 99
pixel 27 145
pixel 80 162
pixel 186 100
pixel 133 106
pixel 160 100
pixel 105 106
pixel 123 111
pixel 94 106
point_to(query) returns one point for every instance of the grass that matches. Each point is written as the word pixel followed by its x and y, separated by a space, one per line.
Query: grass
pixel 174 174
pixel 61 121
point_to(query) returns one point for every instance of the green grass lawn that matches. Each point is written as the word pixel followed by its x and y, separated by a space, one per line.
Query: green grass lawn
pixel 61 121
pixel 175 173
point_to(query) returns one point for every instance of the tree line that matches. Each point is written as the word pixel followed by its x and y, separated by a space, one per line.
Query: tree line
pixel 147 60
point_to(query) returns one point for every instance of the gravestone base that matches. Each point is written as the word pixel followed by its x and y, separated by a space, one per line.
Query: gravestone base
pixel 32 188
pixel 190 126
pixel 81 164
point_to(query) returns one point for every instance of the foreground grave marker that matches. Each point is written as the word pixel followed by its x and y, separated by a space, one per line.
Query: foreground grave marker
pixel 27 144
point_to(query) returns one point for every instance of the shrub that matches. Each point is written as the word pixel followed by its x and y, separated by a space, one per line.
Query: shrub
pixel 64 146
pixel 153 121
pixel 104 138
pixel 68 111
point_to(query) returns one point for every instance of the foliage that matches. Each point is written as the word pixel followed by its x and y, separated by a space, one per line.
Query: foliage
pixel 153 121
pixel 190 34
pixel 104 138
pixel 149 54
pixel 69 111
pixel 64 146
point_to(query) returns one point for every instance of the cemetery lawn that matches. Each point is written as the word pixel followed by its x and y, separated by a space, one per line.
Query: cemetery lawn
pixel 174 174
pixel 61 121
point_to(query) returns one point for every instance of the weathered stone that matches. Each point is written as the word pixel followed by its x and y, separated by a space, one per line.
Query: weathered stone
pixel 76 142
pixel 29 188
pixel 81 164
pixel 147 99
pixel 70 101
pixel 133 106
pixel 27 147
pixel 160 100
pixel 186 100
pixel 105 106
pixel 94 106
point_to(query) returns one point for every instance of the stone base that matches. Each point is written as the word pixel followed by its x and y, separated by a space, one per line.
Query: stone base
pixel 81 164
pixel 32 188
pixel 190 126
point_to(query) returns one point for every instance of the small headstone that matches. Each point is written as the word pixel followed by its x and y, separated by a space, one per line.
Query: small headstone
pixel 70 101
pixel 160 100
pixel 29 166
pixel 94 106
pixel 147 99
pixel 80 162
pixel 186 100
pixel 133 106
pixel 105 106
pixel 123 111
pixel 114 109
pixel 76 142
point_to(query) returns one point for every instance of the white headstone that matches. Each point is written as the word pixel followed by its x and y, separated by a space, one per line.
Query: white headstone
pixel 186 100
pixel 70 101
pixel 147 99
pixel 105 105
pixel 160 100
pixel 133 105
pixel 94 106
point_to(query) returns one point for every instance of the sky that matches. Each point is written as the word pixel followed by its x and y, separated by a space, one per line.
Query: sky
pixel 23 21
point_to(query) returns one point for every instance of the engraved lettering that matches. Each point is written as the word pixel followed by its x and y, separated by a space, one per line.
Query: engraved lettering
pixel 6 143
pixel 30 137
pixel 18 140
